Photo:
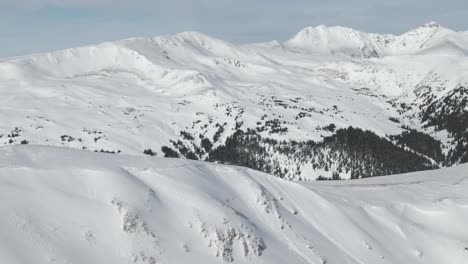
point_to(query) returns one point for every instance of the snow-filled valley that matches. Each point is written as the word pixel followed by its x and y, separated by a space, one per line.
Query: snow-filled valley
pixel 291 102
pixel 62 205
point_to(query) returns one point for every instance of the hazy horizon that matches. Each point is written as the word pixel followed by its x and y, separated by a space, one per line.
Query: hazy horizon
pixel 32 26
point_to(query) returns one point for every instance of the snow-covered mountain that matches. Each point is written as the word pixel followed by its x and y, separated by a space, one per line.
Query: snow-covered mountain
pixel 430 38
pixel 283 108
pixel 70 206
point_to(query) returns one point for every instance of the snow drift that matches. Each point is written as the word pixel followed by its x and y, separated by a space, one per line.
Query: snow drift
pixel 68 206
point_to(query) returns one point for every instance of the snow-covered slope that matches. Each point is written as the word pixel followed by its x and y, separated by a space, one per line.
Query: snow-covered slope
pixel 430 38
pixel 191 92
pixel 69 206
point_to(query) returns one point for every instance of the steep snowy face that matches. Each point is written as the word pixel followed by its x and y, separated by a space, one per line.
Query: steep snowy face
pixel 335 41
pixel 70 206
pixel 194 96
pixel 189 50
pixel 431 37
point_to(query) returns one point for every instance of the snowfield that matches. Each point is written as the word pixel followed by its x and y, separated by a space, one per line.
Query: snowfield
pixel 141 93
pixel 61 205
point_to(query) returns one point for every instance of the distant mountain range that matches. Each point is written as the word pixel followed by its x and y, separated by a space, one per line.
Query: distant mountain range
pixel 330 103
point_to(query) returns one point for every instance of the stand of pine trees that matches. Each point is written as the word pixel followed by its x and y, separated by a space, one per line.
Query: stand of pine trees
pixel 350 151
pixel 450 113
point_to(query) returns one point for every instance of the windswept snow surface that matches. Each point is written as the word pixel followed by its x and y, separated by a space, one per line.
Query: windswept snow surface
pixel 69 206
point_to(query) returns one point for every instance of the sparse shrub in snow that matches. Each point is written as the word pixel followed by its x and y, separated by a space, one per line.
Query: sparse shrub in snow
pixel 149 152
pixel 187 136
pixel 330 128
pixel 67 138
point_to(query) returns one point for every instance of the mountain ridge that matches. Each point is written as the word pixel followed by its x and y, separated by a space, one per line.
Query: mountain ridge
pixel 194 35
pixel 189 94
pixel 323 38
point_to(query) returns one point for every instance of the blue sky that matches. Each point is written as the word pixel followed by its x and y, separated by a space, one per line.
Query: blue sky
pixel 30 26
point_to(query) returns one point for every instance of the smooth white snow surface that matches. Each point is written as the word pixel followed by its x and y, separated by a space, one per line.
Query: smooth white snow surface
pixel 61 205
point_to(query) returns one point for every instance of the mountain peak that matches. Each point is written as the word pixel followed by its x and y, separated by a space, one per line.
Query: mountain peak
pixel 192 35
pixel 431 24
pixel 331 40
pixel 321 29
pixel 430 28
pixel 325 34
pixel 348 41
pixel 198 39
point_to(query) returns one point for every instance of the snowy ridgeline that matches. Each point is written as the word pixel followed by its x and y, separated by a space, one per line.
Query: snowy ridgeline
pixel 70 206
pixel 196 94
